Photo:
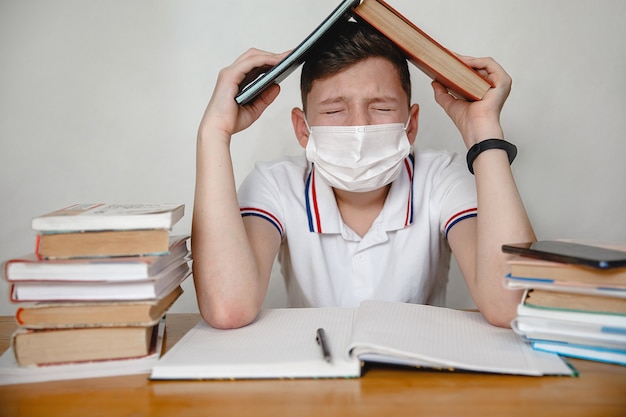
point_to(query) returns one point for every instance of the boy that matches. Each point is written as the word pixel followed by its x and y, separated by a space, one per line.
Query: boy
pixel 360 215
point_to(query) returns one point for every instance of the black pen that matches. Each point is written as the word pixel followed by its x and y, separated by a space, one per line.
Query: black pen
pixel 321 340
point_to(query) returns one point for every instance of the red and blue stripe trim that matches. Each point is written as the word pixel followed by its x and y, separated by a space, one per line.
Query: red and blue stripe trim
pixel 312 208
pixel 252 211
pixel 465 214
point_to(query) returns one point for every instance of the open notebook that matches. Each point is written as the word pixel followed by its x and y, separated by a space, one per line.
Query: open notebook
pixel 281 343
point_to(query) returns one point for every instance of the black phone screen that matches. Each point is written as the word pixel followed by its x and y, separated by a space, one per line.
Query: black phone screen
pixel 569 252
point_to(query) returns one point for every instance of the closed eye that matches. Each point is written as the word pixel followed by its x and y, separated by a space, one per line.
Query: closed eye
pixel 335 111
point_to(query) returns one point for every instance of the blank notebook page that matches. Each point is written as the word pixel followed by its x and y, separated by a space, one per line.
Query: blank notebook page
pixel 447 338
pixel 279 343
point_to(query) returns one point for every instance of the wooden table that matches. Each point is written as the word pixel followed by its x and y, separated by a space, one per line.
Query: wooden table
pixel 600 390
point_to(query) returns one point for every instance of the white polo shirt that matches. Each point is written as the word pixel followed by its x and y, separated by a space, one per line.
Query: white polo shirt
pixel 403 257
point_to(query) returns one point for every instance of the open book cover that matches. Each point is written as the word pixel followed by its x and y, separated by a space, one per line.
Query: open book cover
pixel 432 58
pixel 251 89
pixel 281 343
pixel 422 50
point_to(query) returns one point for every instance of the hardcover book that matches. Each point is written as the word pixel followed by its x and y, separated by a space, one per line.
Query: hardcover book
pixel 525 267
pixel 608 355
pixel 432 58
pixel 31 268
pixel 145 289
pixel 106 243
pixel 12 373
pixel 563 303
pixel 83 217
pixel 258 81
pixel 592 288
pixel 64 314
pixel 50 346
pixel 423 51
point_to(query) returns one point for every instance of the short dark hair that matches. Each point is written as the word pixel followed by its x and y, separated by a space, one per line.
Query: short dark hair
pixel 346 45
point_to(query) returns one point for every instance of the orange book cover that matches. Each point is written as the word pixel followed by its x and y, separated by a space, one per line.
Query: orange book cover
pixel 446 67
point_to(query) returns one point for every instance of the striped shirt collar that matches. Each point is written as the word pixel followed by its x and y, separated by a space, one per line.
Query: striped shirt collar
pixel 324 216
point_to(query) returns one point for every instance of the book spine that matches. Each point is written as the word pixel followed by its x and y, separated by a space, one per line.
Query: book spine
pixel 18 316
pixel 38 246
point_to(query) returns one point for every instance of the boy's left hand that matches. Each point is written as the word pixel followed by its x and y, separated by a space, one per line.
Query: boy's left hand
pixel 478 120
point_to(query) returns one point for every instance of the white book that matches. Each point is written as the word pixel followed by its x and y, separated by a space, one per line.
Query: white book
pixel 281 343
pixel 11 373
pixel 582 351
pixel 594 334
pixel 602 319
pixel 522 283
pixel 147 289
pixel 91 217
pixel 31 268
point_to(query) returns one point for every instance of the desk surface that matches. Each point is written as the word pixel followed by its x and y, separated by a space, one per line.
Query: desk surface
pixel 600 390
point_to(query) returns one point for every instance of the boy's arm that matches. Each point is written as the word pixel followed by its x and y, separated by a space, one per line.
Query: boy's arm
pixel 232 259
pixel 502 218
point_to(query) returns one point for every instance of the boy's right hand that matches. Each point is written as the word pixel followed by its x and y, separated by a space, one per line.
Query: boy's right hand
pixel 223 113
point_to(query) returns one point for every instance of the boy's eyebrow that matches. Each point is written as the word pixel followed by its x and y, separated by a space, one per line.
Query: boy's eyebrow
pixel 332 100
pixel 377 99
pixel 385 99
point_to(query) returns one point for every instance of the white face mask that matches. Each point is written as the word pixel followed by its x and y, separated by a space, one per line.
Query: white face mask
pixel 358 158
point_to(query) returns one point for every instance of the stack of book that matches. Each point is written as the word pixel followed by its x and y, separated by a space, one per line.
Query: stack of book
pixel 571 309
pixel 97 286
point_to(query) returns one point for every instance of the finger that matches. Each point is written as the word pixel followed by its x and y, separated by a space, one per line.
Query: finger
pixel 266 98
pixel 252 65
pixel 254 110
pixel 255 58
pixel 489 68
pixel 442 96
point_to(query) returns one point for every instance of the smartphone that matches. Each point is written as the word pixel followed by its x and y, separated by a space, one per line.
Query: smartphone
pixel 569 252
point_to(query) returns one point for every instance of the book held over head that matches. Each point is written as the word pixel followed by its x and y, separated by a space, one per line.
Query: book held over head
pixel 422 50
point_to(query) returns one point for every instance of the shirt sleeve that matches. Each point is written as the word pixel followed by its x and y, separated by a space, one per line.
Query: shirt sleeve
pixel 455 192
pixel 259 196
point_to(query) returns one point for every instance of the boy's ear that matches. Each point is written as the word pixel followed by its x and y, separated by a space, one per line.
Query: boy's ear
pixel 299 126
pixel 411 130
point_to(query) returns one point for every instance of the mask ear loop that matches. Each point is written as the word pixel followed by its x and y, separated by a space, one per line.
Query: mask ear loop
pixel 406 125
pixel 307 123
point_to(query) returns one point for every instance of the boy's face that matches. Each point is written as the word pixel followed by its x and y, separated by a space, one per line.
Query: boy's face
pixel 368 92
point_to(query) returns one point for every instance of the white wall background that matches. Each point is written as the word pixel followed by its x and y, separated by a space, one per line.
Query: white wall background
pixel 100 102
